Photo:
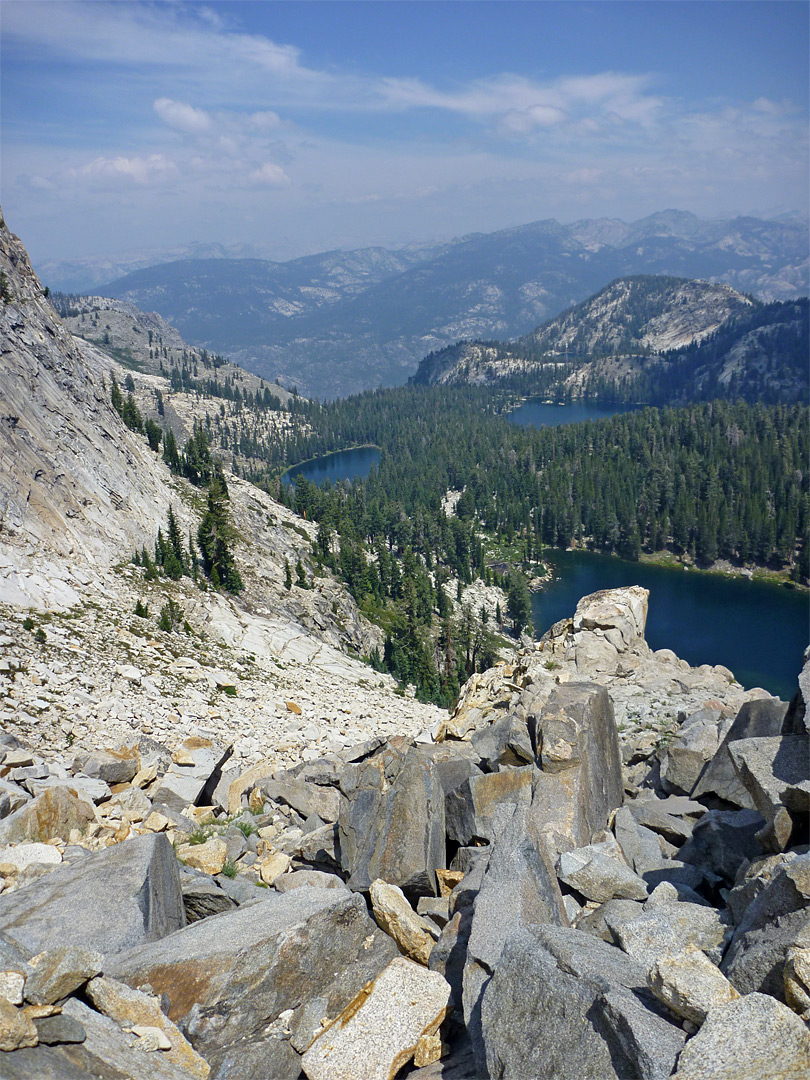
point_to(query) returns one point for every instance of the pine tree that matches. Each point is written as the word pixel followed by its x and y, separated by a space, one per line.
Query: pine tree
pixel 215 536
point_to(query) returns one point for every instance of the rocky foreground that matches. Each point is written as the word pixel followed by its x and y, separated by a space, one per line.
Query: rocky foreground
pixel 531 889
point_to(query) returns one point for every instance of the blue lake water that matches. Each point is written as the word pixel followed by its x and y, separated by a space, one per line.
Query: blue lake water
pixel 345 465
pixel 757 630
pixel 540 414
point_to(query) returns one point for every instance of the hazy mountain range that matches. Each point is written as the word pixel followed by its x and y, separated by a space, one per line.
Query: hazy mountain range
pixel 648 338
pixel 340 322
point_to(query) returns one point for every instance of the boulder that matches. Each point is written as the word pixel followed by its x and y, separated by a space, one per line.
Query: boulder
pixel 689 984
pixel 564 1004
pixel 517 888
pixel 724 840
pixel 797 980
pixel 272 1058
pixel 54 813
pixel 776 773
pixel 669 927
pixel 305 798
pixel 686 757
pixel 58 972
pixel 202 896
pixel 208 857
pixel 753 1036
pixel 112 766
pixel 506 742
pixel 12 797
pixel 129 1007
pixel 599 873
pixel 230 976
pixel 109 901
pixel 107 1053
pixel 24 855
pixel 639 845
pixel 308 878
pixel 379 1031
pixel 777 919
pixel 479 809
pixel 653 814
pixel 601 920
pixel 756 719
pixel 59 1028
pixel 415 938
pixel 392 822
pixel 578 751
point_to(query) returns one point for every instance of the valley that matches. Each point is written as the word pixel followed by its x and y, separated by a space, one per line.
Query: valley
pixel 307 717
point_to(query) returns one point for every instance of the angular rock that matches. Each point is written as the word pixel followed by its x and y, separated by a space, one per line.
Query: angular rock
pixel 518 888
pixel 229 976
pixel 776 773
pixel 260 1059
pixel 109 901
pixel 53 1030
pixel 414 937
pixel 687 756
pixel 599 875
pixel 107 1053
pixel 797 980
pixel 378 1033
pixel 321 847
pixel 202 897
pixel 564 1004
pixel 12 797
pixel 111 766
pixel 58 972
pixel 777 919
pixel 690 984
pixel 640 845
pixel 11 985
pixel 724 840
pixel 669 928
pixel 392 822
pixel 208 857
pixel 24 855
pixel 305 798
pixel 480 808
pixel 601 920
pixel 312 878
pixel 274 866
pixel 756 719
pixel 17 1029
pixel 55 812
pixel 506 742
pixel 178 790
pixel 653 814
pixel 753 1036
pixel 578 749
pixel 130 1007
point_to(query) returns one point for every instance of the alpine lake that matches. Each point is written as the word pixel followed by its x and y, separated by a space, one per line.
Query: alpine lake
pixel 757 629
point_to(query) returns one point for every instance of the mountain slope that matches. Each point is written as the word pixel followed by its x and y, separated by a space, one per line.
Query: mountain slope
pixel 648 338
pixel 341 322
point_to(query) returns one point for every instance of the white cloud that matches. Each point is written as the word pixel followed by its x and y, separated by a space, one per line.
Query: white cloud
pixel 139 170
pixel 182 117
pixel 270 174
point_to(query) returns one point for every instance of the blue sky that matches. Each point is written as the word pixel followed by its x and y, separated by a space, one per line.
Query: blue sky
pixel 304 126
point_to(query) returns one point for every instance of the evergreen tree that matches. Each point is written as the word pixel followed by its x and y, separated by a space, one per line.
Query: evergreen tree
pixel 518 602
pixel 215 537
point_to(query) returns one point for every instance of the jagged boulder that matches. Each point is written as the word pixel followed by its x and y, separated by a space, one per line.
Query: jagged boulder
pixel 777 919
pixel 578 749
pixel 562 1003
pixel 110 901
pixel 392 821
pixel 776 773
pixel 229 976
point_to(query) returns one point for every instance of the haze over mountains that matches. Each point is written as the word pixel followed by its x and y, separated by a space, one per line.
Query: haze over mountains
pixel 340 322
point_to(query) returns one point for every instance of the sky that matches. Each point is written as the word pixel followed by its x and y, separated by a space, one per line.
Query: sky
pixel 299 127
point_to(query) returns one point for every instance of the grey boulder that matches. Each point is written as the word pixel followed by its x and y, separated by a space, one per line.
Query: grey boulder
pixel 109 901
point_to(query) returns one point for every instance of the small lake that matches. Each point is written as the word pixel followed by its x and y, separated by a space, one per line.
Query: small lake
pixel 757 630
pixel 539 414
pixel 344 465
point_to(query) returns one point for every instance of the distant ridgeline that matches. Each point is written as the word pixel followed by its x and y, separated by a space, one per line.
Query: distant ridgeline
pixel 659 340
